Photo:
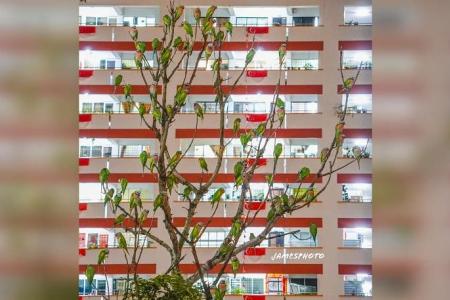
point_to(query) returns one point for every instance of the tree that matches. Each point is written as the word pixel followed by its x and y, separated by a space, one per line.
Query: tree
pixel 170 52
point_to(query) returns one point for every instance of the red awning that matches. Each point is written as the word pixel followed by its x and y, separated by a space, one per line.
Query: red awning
pixel 87 29
pixel 85 118
pixel 259 163
pixel 254 205
pixel 256 73
pixel 83 161
pixel 255 251
pixel 85 73
pixel 258 29
pixel 256 117
pixel 82 206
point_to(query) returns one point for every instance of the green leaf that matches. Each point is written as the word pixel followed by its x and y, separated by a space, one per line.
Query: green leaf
pixel 187 192
pixel 104 175
pixel 109 196
pixel 349 82
pixel 188 29
pixel 119 219
pixel 195 232
pixel 156 113
pixel 166 20
pixel 235 229
pixel 210 11
pixel 171 182
pixel 271 214
pixel 238 168
pixel 198 110
pixel 102 255
pixel 123 184
pixel 259 131
pixel 279 103
pixel 278 149
pixel 122 241
pixel 117 200
pixel 236 125
pixel 250 55
pixel 156 44
pixel 303 173
pixel 118 80
pixel 177 42
pixel 313 231
pixel 179 11
pixel 245 139
pixel 203 164
pixel 235 265
pixel 90 272
pixel 229 27
pixel 142 110
pixel 141 47
pixel 165 55
pixel 143 159
pixel 143 216
pixel 269 179
pixel 174 159
pixel 127 90
pixel 217 195
pixel 158 202
pixel 180 96
pixel 282 52
pixel 324 154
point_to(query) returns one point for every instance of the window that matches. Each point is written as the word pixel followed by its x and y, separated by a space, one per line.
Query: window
pixel 310 107
pixel 103 241
pixel 305 21
pixel 92 240
pixel 358 285
pixel 98 107
pixel 85 151
pixel 251 21
pixel 302 285
pixel 107 151
pixel 91 21
pixel 101 287
pixel 279 21
pixel 86 108
pixel 212 239
pixel 119 286
pixel 102 21
pixel 96 151
pixel 82 240
pixel 109 107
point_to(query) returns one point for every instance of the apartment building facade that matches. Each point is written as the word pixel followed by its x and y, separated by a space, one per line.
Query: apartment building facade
pixel 338 265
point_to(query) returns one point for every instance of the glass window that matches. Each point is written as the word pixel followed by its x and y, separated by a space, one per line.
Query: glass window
pixel 85 151
pixel 98 107
pixel 279 21
pixel 101 287
pixel 107 151
pixel 102 20
pixel 109 107
pixel 96 151
pixel 86 107
pixel 91 21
